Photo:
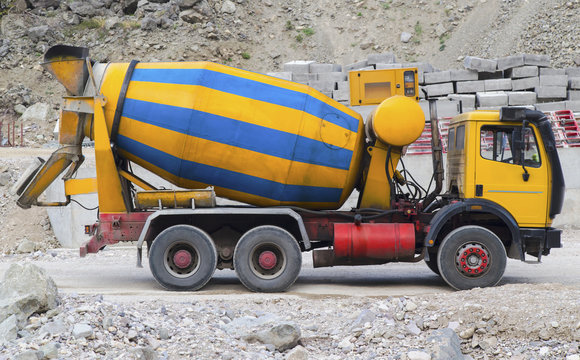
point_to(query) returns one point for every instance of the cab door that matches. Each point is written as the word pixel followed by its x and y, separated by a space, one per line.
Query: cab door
pixel 501 167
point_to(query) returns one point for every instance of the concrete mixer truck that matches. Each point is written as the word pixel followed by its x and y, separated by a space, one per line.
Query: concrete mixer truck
pixel 292 156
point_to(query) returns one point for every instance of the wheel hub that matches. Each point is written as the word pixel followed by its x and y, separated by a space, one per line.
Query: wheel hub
pixel 472 259
pixel 267 260
pixel 182 259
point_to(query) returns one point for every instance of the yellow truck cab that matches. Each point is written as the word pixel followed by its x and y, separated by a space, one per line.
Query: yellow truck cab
pixel 504 175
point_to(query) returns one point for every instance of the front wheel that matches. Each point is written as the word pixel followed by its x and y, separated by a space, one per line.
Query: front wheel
pixel 267 259
pixel 471 256
pixel 183 257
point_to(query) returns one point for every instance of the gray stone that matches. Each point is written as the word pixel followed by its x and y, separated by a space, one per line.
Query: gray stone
pixel 304 78
pixel 365 316
pixel 445 108
pixel 537 60
pixel 463 75
pixel 228 7
pixel 321 68
pixel 551 92
pixel 550 71
pixel 39 112
pixel 44 3
pixel 8 330
pixel 573 105
pixel 421 66
pixel 164 334
pixel 343 85
pixel 186 4
pixel 145 353
pixel 523 72
pixel 83 8
pixel 341 94
pixel 384 58
pixel 245 325
pixel 191 16
pixel 332 76
pixel 521 98
pixel 554 80
pixel 497 84
pixel 406 37
pixel 357 65
pixel 574 83
pixel 439 89
pixel 446 345
pixel 388 66
pixel 50 350
pixel 54 327
pixel 5 178
pixel 26 247
pixel 525 83
pixel 412 328
pixel 492 99
pixel 29 355
pixel 149 23
pixel 298 66
pixel 470 87
pixel 418 355
pixel 283 336
pixel 475 63
pixel 437 77
pixel 467 101
pixel 37 33
pixel 298 353
pixel 573 95
pixel 551 106
pixel 285 75
pixel 322 85
pixel 82 330
pixel 573 72
pixel 510 62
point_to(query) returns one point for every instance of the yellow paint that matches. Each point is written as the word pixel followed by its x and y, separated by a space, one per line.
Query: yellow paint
pixel 175 198
pixel 398 121
pixel 377 191
pixel 371 87
pixel 80 186
pixel 136 180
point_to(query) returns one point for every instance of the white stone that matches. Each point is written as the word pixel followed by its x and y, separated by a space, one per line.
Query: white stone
pixel 418 355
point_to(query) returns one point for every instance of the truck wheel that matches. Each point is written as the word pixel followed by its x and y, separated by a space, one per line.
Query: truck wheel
pixel 471 256
pixel 183 257
pixel 267 259
pixel 432 262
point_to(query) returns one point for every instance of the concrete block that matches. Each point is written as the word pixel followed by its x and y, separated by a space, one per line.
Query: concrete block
pixel 385 58
pixel 573 95
pixel 445 108
pixel 573 105
pixel 437 77
pixel 304 78
pixel 554 80
pixel 341 94
pixel 286 75
pixel 422 92
pixel 498 84
pixel 322 86
pixel 332 76
pixel 470 87
pixel 573 72
pixel 510 62
pixel 439 89
pixel 467 101
pixel 421 78
pixel 525 83
pixel 523 72
pixel 356 66
pixel 551 106
pixel 537 60
pixel 521 98
pixel 422 67
pixel 463 75
pixel 574 83
pixel 327 93
pixel 475 63
pixel 491 75
pixel 551 92
pixel 298 66
pixel 321 68
pixel 550 71
pixel 494 108
pixel 343 85
pixel 492 99
pixel 388 66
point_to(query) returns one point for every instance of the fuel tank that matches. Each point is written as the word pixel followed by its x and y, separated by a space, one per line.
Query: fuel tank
pixel 255 138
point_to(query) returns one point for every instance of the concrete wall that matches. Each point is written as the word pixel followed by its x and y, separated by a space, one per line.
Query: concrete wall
pixel 68 222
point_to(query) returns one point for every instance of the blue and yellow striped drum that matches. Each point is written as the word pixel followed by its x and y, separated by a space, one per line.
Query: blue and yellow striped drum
pixel 256 139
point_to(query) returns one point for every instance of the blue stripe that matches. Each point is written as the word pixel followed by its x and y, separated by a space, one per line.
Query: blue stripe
pixel 238 133
pixel 250 89
pixel 228 179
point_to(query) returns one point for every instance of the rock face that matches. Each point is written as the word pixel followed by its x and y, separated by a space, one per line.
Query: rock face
pixel 26 289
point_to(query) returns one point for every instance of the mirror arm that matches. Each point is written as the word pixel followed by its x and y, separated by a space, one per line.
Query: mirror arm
pixel 525 175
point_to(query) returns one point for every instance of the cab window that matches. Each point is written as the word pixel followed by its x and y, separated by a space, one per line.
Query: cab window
pixel 504 144
pixel 460 137
pixel 451 140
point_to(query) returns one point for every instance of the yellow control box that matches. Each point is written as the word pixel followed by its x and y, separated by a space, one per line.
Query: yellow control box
pixel 371 87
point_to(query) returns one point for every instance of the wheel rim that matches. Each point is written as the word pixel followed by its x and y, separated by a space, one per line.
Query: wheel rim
pixel 267 261
pixel 472 259
pixel 181 260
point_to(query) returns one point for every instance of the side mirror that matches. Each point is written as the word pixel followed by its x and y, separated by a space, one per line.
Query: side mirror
pixel 521 150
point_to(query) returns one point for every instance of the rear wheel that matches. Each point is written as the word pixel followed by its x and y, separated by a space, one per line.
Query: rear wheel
pixel 183 257
pixel 432 262
pixel 267 259
pixel 471 256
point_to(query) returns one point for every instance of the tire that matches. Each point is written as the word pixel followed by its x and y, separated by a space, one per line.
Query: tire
pixel 267 259
pixel 471 256
pixel 183 257
pixel 432 262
